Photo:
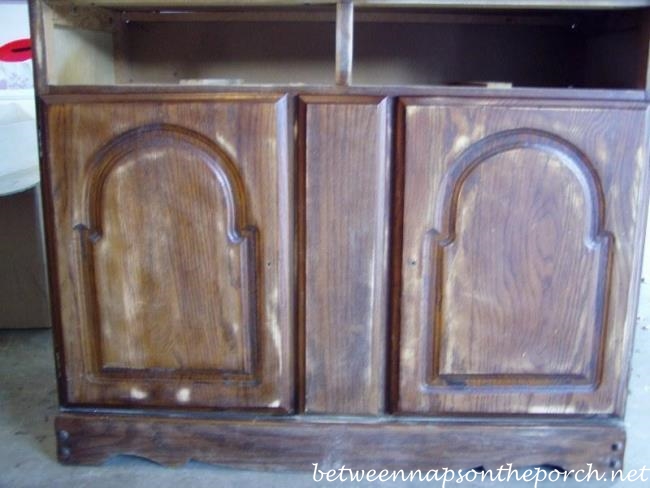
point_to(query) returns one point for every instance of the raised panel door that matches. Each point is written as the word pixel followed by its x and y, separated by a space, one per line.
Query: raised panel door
pixel 518 255
pixel 173 226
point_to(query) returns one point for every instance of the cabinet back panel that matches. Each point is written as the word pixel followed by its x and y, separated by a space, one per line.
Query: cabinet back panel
pixel 239 52
pixel 574 50
pixel 439 54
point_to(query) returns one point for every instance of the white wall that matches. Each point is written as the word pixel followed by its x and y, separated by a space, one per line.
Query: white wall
pixel 14 24
pixel 14 20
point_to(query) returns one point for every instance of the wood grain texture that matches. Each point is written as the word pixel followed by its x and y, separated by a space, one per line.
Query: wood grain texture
pixel 518 244
pixel 347 170
pixel 502 224
pixel 174 249
pixel 296 445
pixel 180 299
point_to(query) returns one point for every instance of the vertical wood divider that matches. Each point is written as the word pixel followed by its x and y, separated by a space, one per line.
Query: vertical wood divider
pixel 343 257
pixel 344 41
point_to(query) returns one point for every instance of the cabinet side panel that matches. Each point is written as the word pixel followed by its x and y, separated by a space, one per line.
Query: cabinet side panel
pixel 347 195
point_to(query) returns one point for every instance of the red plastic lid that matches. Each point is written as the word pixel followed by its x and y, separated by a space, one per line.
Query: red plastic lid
pixel 16 51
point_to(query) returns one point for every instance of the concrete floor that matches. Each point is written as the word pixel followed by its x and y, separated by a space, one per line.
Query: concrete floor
pixel 28 406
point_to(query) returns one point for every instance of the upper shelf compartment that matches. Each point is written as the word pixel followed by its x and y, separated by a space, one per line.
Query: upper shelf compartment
pixel 533 48
pixel 372 42
pixel 97 46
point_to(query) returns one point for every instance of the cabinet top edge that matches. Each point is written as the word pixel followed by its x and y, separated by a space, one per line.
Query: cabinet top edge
pixel 464 4
pixel 54 94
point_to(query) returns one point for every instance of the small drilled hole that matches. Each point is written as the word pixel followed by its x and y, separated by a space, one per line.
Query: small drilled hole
pixel 615 464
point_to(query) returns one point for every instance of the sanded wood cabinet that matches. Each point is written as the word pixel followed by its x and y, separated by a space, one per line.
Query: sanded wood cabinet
pixel 518 241
pixel 392 238
pixel 174 250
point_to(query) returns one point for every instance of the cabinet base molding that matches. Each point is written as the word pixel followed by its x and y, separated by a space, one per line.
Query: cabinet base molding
pixel 300 442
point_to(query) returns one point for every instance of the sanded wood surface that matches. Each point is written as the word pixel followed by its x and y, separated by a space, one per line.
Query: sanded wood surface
pixel 519 244
pixel 346 180
pixel 442 276
pixel 174 251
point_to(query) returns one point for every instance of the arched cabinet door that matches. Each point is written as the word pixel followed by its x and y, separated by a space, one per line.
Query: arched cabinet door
pixel 519 228
pixel 173 234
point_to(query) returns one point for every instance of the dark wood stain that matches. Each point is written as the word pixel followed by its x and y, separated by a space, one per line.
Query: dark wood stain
pixel 281 444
